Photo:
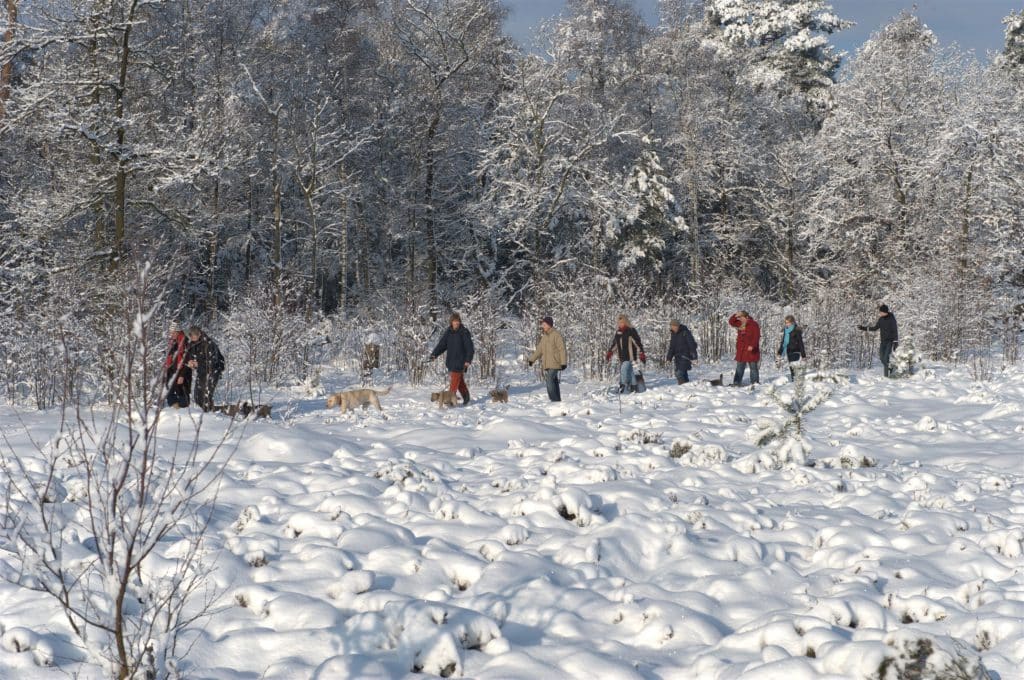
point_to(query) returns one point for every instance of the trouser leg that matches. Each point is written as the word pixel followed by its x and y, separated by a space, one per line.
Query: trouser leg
pixel 551 380
pixel 755 372
pixel 627 379
pixel 741 368
pixel 458 384
pixel 885 354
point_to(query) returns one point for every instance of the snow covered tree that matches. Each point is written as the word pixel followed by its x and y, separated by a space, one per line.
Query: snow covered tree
pixel 1013 51
pixel 644 235
pixel 785 43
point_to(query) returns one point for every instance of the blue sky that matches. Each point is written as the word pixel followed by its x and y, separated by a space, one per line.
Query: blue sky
pixel 974 24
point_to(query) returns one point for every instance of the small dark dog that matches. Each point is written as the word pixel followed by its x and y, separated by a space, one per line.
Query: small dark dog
pixel 719 381
pixel 244 409
pixel 499 395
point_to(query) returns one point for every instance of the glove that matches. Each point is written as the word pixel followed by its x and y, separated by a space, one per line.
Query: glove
pixel 608 356
pixel 862 328
pixel 563 367
pixel 643 358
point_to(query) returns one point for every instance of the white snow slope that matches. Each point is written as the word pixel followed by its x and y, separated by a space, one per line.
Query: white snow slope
pixel 529 540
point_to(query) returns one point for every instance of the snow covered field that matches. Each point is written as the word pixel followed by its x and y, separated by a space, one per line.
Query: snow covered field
pixel 529 540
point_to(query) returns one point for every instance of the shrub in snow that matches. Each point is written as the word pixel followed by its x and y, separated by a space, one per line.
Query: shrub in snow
pixel 905 360
pixel 785 438
pixel 910 656
pixel 698 455
pixel 103 553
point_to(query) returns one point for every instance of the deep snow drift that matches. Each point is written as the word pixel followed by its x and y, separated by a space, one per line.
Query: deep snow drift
pixel 532 540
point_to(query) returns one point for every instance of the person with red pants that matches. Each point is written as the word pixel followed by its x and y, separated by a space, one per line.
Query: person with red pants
pixel 177 374
pixel 458 343
pixel 748 347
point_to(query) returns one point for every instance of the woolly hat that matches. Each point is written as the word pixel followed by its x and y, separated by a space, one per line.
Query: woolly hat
pixel 884 308
pixel 548 320
pixel 674 322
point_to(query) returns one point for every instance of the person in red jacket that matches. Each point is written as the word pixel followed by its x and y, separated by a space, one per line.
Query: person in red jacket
pixel 177 374
pixel 748 347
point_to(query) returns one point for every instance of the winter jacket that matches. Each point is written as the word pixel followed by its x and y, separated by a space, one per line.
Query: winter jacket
pixel 459 346
pixel 682 345
pixel 627 344
pixel 748 336
pixel 177 353
pixel 887 327
pixel 209 360
pixel 795 351
pixel 551 350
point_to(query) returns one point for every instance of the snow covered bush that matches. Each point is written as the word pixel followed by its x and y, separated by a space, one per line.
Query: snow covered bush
pixel 107 521
pixel 905 360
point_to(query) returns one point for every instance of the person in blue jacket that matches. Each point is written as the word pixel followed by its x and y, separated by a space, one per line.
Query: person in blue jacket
pixel 457 342
pixel 682 350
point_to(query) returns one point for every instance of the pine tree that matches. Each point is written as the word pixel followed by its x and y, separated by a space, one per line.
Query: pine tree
pixel 786 43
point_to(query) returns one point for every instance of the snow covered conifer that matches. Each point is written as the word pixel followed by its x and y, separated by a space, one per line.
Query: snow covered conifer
pixel 649 224
pixel 1013 51
pixel 786 43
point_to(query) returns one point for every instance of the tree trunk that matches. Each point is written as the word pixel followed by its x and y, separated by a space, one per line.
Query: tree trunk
pixel 121 176
pixel 7 69
pixel 429 222
pixel 343 256
pixel 211 302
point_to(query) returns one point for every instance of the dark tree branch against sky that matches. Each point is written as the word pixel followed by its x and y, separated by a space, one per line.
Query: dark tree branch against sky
pixel 974 24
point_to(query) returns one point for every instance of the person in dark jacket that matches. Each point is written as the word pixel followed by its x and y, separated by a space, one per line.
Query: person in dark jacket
pixel 748 347
pixel 626 343
pixel 177 374
pixel 889 336
pixel 791 346
pixel 458 343
pixel 682 350
pixel 205 359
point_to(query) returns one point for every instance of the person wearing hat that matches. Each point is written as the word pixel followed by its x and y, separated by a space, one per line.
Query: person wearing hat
pixel 889 337
pixel 553 358
pixel 626 343
pixel 682 350
pixel 457 344
pixel 177 374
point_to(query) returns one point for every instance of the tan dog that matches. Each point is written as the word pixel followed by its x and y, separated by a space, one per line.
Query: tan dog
pixel 499 395
pixel 444 398
pixel 352 398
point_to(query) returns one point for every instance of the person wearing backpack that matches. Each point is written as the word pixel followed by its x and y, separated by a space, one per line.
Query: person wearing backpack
pixel 791 346
pixel 551 352
pixel 207 364
pixel 682 350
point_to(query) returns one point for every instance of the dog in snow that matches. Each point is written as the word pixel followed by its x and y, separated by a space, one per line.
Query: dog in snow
pixel 499 395
pixel 244 409
pixel 444 398
pixel 347 401
pixel 719 381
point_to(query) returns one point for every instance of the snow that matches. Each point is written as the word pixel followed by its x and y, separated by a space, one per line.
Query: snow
pixel 522 540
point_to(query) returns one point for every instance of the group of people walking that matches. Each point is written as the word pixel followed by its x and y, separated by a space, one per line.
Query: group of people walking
pixel 192 367
pixel 628 347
